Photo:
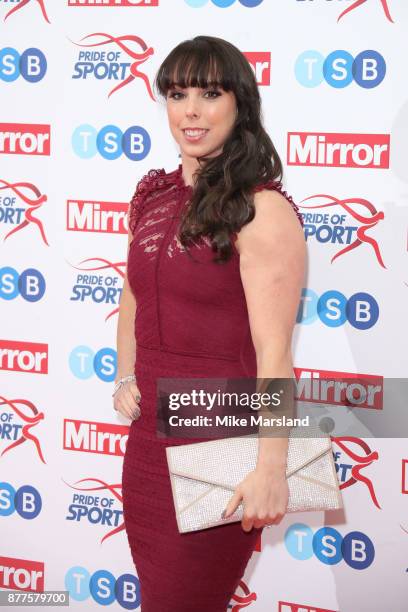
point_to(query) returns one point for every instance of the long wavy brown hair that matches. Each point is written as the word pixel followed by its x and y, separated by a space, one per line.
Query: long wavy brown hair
pixel 221 201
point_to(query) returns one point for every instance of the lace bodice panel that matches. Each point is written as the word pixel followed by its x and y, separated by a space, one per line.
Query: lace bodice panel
pixel 158 180
pixel 187 305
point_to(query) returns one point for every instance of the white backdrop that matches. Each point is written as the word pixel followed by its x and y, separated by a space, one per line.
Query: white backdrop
pixel 327 75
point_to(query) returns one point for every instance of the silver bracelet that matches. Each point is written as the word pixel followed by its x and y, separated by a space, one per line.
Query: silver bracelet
pixel 122 381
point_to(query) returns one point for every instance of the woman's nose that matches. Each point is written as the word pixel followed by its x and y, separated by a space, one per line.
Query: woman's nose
pixel 192 108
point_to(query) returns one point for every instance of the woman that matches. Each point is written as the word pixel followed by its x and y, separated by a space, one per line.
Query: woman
pixel 215 266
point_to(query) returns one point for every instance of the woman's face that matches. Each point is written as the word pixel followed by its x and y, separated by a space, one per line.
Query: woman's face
pixel 200 119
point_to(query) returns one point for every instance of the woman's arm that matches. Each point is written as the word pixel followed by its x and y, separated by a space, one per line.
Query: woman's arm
pixel 272 266
pixel 125 337
pixel 125 398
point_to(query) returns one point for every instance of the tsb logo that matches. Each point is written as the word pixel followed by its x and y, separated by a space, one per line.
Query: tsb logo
pixel 110 142
pixel 30 284
pixel 103 587
pixel 84 363
pixel 340 68
pixel 333 309
pixel 329 546
pixel 31 64
pixel 26 501
pixel 223 3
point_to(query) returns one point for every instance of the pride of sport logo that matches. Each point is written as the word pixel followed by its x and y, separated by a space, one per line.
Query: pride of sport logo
pixel 88 506
pixel 19 203
pixel 31 65
pixel 242 598
pixel 337 228
pixel 338 150
pixel 25 139
pixel 383 7
pixel 356 3
pixel 288 606
pixel 120 63
pixel 352 456
pixel 99 281
pixel 19 4
pixel 19 418
pixel 97 216
pixel 95 437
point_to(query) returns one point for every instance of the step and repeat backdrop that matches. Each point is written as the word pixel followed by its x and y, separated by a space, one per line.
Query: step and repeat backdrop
pixel 80 124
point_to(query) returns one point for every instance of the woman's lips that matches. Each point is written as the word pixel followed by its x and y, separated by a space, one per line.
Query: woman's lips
pixel 193 135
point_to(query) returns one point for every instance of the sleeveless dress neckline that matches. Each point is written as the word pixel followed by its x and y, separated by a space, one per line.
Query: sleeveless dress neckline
pixel 160 178
pixel 180 180
pixel 176 176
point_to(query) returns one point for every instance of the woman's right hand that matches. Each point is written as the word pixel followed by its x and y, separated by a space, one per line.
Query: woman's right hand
pixel 126 400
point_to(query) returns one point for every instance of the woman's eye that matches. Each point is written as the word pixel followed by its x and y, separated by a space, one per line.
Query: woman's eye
pixel 214 93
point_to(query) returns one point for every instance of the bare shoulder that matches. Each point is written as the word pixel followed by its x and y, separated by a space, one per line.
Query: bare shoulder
pixel 274 228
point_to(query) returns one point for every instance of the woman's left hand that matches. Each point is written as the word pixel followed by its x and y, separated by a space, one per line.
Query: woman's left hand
pixel 265 496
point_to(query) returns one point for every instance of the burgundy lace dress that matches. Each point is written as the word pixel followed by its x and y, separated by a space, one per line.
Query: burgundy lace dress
pixel 191 321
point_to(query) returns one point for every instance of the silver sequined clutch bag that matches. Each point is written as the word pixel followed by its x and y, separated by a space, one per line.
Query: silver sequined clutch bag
pixel 204 475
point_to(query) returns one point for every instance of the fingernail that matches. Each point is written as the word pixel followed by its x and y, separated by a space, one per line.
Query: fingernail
pixel 223 513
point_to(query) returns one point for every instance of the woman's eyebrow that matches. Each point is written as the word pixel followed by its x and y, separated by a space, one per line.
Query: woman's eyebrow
pixel 214 85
